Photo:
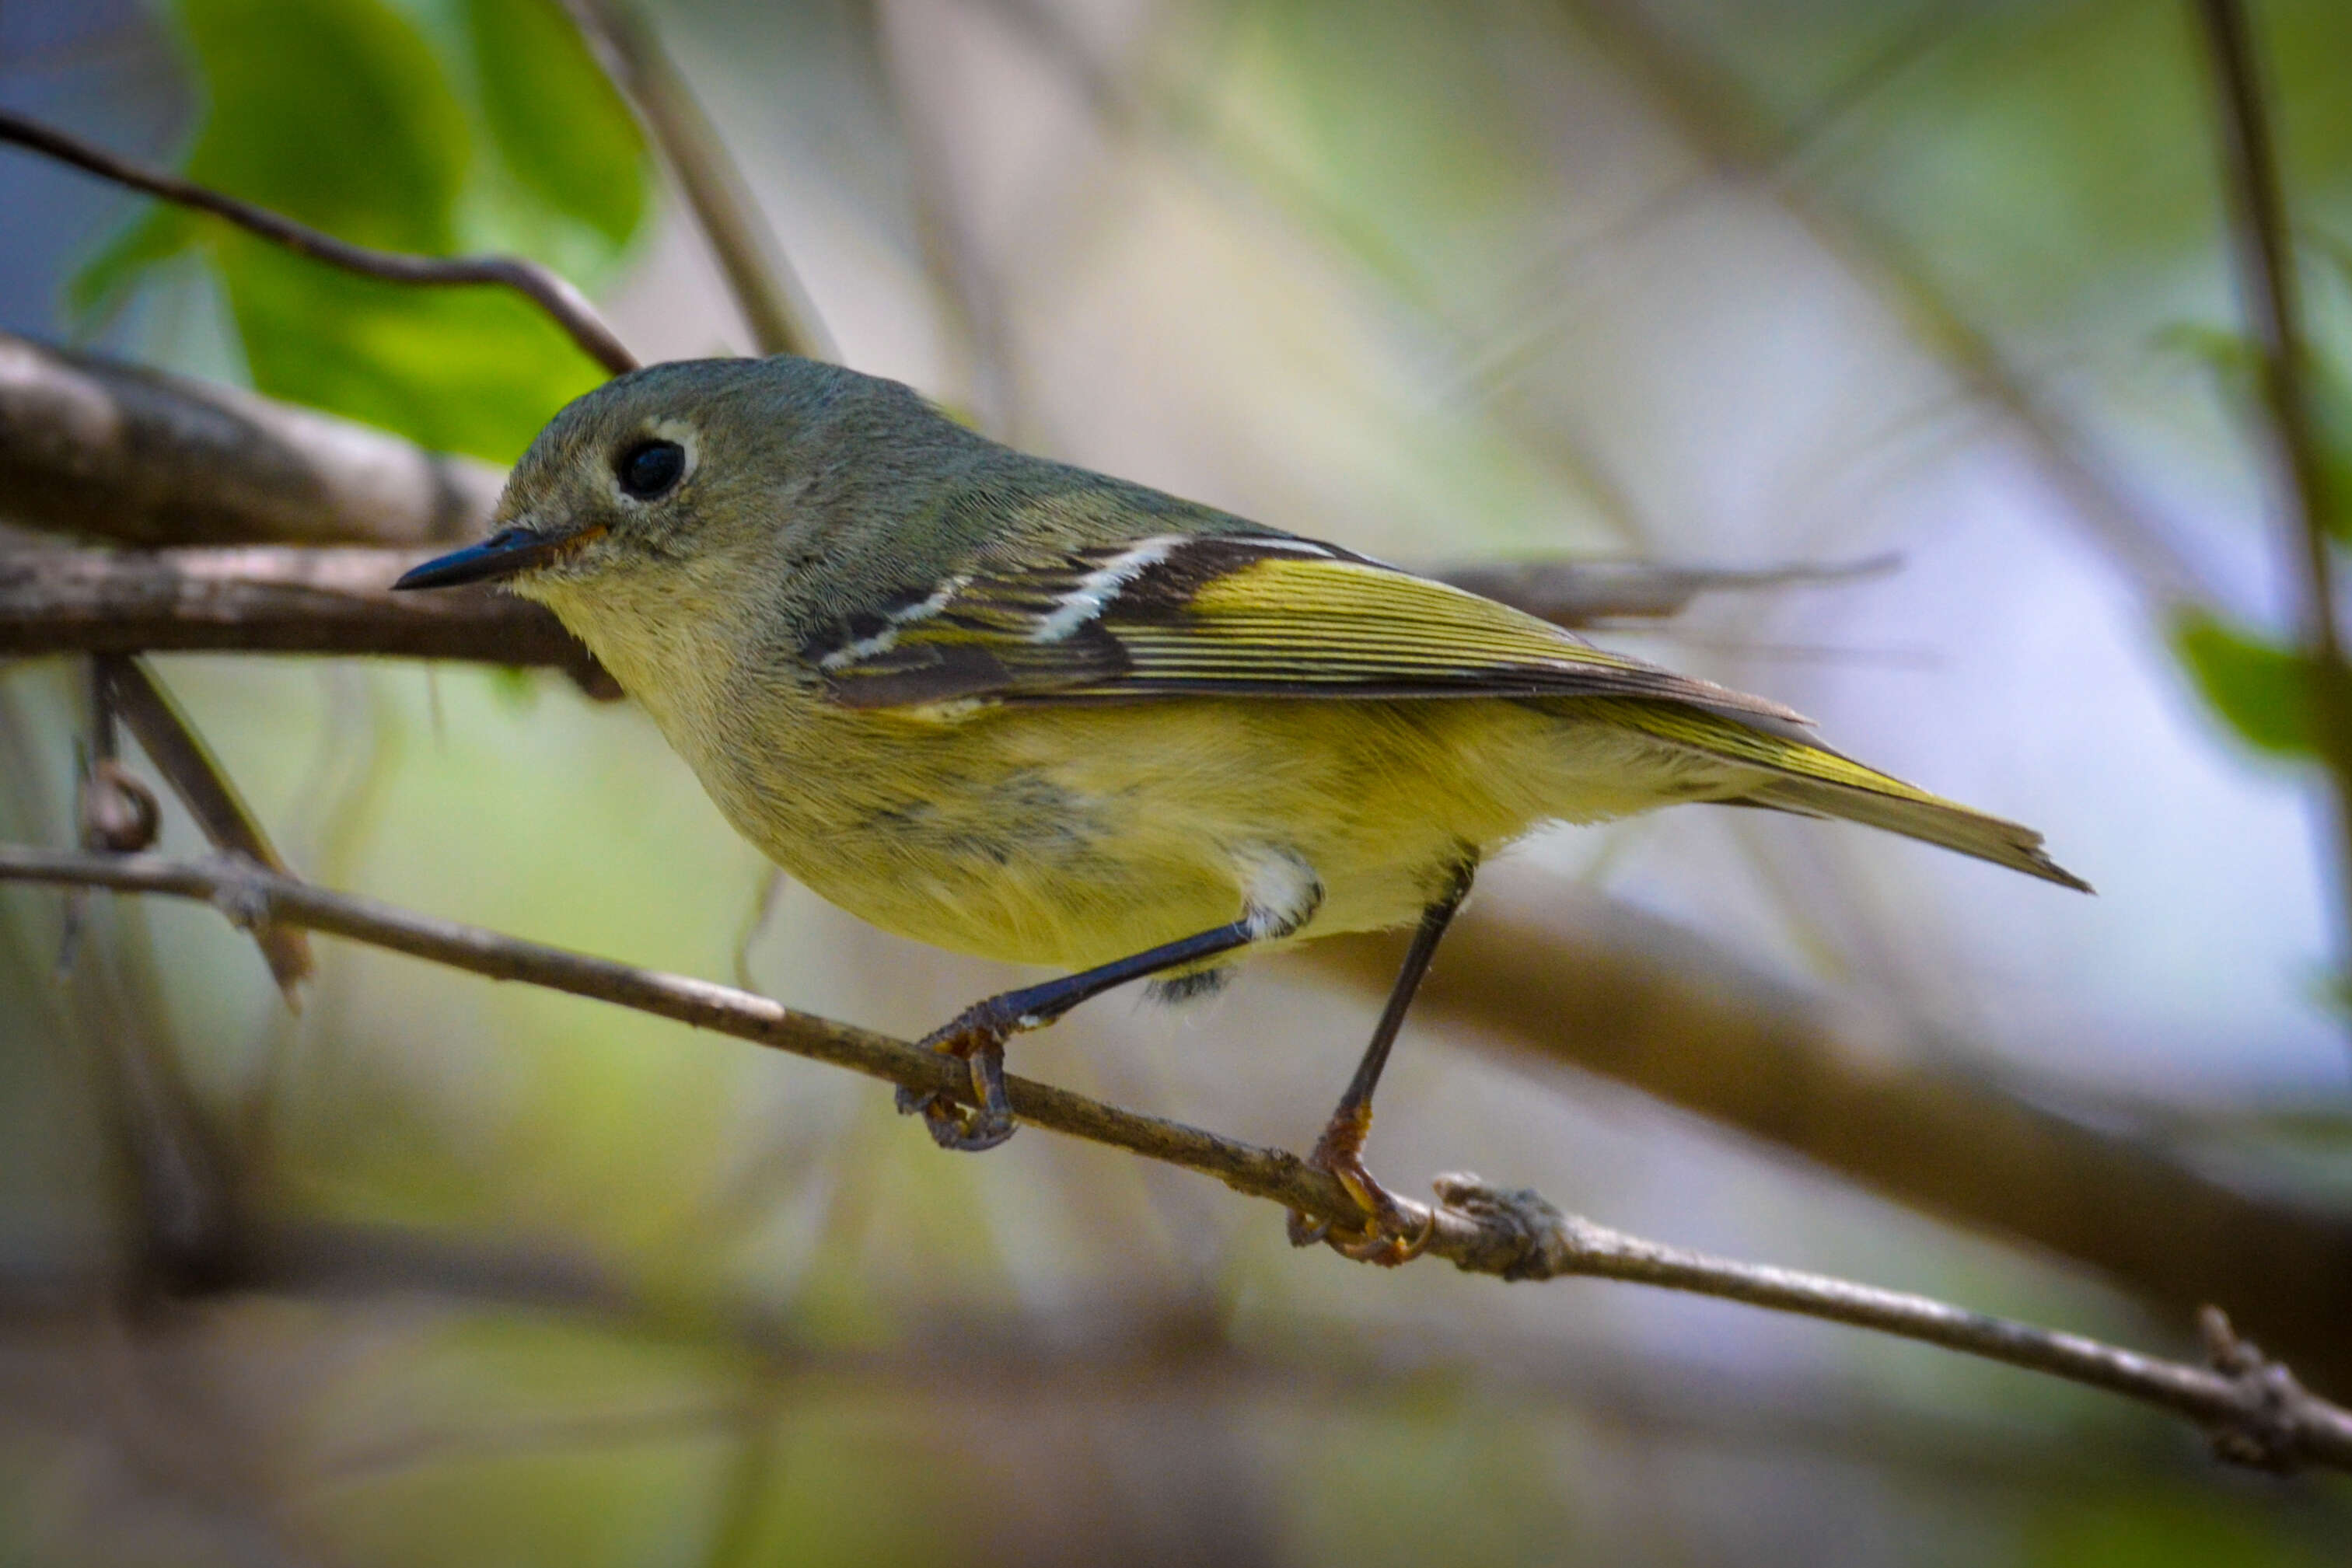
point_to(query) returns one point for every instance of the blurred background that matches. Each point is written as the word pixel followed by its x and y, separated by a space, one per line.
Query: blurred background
pixel 437 1271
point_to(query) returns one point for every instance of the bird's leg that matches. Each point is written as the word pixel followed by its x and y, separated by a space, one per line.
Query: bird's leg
pixel 1384 1236
pixel 977 1034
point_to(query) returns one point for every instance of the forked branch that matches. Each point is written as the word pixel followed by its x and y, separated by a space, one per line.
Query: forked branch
pixel 2254 1410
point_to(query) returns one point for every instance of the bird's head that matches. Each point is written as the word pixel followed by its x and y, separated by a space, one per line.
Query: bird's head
pixel 651 477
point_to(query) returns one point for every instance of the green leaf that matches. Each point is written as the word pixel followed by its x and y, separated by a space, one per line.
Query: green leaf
pixel 106 282
pixel 459 370
pixel 563 131
pixel 2262 690
pixel 336 112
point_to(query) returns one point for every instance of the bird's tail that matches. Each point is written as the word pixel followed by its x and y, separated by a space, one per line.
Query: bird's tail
pixel 1815 781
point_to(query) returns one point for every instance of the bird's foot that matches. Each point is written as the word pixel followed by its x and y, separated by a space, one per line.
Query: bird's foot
pixel 976 1038
pixel 1391 1231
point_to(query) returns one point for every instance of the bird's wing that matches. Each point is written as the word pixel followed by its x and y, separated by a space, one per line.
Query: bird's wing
pixel 1260 615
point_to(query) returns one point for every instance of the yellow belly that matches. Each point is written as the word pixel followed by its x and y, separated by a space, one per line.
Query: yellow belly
pixel 1071 836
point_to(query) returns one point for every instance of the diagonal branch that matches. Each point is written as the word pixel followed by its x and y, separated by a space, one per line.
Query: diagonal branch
pixel 774 304
pixel 2255 1411
pixel 564 304
pixel 183 760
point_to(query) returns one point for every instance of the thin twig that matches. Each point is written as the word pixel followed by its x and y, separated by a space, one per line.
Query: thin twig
pixel 2254 1409
pixel 2267 280
pixel 563 304
pixel 2267 277
pixel 1561 982
pixel 776 308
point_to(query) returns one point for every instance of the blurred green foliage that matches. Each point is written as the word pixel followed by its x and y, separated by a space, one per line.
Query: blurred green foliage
pixel 558 125
pixel 481 123
pixel 2259 688
pixel 2165 1531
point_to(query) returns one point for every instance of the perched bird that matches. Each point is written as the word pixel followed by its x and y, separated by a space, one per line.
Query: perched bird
pixel 1017 709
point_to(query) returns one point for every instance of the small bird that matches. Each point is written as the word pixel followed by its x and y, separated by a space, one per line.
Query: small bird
pixel 1017 709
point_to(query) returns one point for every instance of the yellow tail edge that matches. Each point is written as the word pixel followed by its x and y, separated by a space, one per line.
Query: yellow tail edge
pixel 1930 819
pixel 1814 781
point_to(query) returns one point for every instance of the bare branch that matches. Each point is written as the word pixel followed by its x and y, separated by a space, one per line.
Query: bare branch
pixel 563 304
pixel 2254 1409
pixel 94 446
pixel 766 290
pixel 1587 984
pixel 266 599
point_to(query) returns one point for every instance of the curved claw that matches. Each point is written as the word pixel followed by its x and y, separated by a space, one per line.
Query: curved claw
pixel 1380 1240
pixel 961 1129
pixel 1384 1236
pixel 1383 1246
pixel 976 1036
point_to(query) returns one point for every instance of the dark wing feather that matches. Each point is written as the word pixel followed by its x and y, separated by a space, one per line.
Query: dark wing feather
pixel 1241 615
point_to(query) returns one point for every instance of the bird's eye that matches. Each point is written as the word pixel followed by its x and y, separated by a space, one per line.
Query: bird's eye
pixel 650 469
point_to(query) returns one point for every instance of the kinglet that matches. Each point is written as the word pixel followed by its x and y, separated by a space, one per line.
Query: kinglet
pixel 1017 709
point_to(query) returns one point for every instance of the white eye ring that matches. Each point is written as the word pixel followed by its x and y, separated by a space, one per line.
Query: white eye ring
pixel 677 433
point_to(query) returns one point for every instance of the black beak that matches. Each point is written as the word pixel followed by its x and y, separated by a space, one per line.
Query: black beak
pixel 503 554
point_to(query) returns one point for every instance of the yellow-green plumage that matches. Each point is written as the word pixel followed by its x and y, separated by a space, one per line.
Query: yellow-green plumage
pixel 1015 709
